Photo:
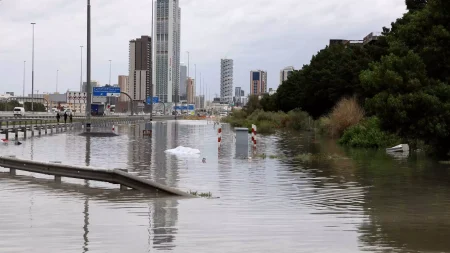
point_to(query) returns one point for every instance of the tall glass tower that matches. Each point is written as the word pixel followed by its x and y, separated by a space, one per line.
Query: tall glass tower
pixel 166 57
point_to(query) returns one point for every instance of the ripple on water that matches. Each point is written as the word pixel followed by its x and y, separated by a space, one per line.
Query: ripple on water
pixel 263 205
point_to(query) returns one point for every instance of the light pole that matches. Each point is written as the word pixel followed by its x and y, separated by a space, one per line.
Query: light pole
pixel 108 99
pixel 81 70
pixel 188 61
pixel 88 68
pixel 110 72
pixel 32 73
pixel 23 90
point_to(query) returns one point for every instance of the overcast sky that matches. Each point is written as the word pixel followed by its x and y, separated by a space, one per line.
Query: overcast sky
pixel 256 34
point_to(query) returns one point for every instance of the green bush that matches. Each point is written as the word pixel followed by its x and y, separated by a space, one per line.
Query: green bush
pixel 323 125
pixel 266 127
pixel 298 120
pixel 368 134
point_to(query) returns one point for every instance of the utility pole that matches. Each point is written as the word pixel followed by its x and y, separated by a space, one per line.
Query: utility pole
pixel 110 72
pixel 24 71
pixel 88 70
pixel 32 73
pixel 81 70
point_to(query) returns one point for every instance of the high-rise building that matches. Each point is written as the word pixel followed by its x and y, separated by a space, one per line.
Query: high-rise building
pixel 93 84
pixel 242 93
pixel 200 102
pixel 123 85
pixel 285 73
pixel 226 80
pixel 190 96
pixel 258 82
pixel 237 91
pixel 166 57
pixel 139 78
pixel 183 82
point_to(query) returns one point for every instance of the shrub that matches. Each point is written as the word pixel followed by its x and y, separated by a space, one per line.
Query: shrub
pixel 368 134
pixel 266 127
pixel 346 113
pixel 298 120
pixel 323 125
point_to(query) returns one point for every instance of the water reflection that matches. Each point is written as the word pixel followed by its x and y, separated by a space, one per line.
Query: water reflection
pixel 336 198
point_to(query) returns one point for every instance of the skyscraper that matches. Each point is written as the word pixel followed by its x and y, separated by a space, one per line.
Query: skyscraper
pixel 190 96
pixel 258 82
pixel 285 73
pixel 226 80
pixel 166 57
pixel 123 85
pixel 139 78
pixel 183 81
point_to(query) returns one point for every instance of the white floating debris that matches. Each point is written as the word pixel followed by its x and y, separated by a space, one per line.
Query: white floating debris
pixel 183 151
pixel 399 148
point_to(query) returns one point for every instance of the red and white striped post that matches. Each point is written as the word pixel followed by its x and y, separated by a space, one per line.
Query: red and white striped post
pixel 254 136
pixel 219 135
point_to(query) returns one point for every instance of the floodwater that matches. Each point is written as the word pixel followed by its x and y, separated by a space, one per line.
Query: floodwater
pixel 335 200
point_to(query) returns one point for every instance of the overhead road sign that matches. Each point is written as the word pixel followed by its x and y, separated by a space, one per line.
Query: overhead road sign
pixel 106 92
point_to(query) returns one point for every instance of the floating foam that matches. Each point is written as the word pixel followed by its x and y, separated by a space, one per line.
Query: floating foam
pixel 183 151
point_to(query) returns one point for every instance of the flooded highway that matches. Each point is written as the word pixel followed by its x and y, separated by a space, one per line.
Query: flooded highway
pixel 300 193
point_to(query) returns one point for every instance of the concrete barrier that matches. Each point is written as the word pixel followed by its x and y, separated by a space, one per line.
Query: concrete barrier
pixel 115 176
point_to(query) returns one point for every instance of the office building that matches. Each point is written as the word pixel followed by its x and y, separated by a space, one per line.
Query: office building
pixel 183 82
pixel 226 80
pixel 166 58
pixel 258 82
pixel 123 85
pixel 190 96
pixel 242 93
pixel 285 73
pixel 93 84
pixel 200 102
pixel 237 91
pixel 139 77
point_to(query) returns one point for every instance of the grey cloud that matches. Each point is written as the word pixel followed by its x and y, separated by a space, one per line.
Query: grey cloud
pixel 255 33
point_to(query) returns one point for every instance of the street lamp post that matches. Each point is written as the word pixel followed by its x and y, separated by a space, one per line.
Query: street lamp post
pixel 110 72
pixel 24 71
pixel 88 68
pixel 32 73
pixel 81 70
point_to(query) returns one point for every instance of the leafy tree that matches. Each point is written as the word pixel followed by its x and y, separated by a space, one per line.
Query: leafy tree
pixel 407 102
pixel 37 107
pixel 253 104
pixel 332 74
pixel 426 31
pixel 269 103
pixel 414 5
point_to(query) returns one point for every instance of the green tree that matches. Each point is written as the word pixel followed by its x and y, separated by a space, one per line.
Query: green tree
pixel 426 31
pixel 332 74
pixel 37 107
pixel 414 5
pixel 269 103
pixel 253 104
pixel 407 102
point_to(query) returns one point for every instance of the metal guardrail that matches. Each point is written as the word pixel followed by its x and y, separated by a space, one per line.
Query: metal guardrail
pixel 115 176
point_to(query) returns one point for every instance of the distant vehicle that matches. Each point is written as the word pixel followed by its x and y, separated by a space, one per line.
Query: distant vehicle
pixel 19 111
